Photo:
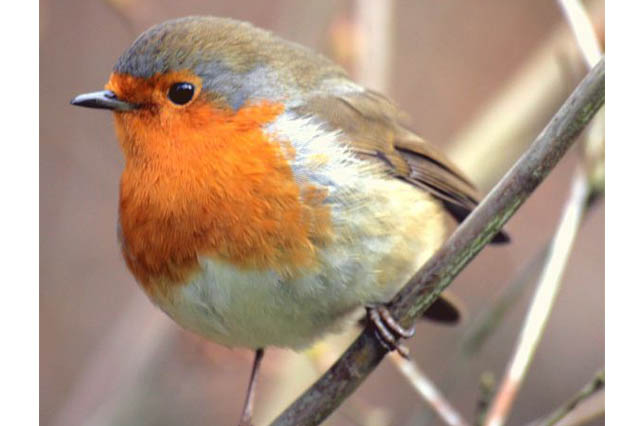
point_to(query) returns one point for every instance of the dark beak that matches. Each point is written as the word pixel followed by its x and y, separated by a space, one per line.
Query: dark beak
pixel 104 99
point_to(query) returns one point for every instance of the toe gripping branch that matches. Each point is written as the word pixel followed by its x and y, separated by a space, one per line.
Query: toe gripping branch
pixel 387 329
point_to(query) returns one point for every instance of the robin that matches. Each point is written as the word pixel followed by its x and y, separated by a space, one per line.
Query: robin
pixel 267 198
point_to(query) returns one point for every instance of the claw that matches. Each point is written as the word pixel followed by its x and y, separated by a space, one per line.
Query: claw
pixel 388 331
pixel 393 324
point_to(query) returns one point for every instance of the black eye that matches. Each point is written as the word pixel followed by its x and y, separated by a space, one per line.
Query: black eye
pixel 181 93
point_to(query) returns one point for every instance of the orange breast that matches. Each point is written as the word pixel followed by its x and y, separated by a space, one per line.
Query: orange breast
pixel 206 180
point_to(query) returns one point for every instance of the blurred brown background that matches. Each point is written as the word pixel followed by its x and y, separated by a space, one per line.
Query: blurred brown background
pixel 107 356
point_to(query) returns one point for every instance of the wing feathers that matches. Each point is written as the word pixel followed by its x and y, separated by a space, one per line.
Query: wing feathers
pixel 372 125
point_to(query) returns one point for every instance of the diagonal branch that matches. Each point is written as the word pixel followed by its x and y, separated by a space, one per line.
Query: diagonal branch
pixel 361 358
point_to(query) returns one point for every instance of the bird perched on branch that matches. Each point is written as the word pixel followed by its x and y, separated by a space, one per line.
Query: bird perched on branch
pixel 266 197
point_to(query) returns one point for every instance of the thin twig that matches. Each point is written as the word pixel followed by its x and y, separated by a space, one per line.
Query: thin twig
pixel 583 30
pixel 428 390
pixel 596 384
pixel 543 301
pixel 478 229
pixel 590 409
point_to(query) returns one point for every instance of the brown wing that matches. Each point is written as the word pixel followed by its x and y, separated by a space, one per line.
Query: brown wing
pixel 372 124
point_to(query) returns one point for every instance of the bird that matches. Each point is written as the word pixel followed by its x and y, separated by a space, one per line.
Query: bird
pixel 267 199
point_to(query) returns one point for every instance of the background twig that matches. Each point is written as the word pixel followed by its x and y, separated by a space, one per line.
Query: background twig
pixel 558 255
pixel 590 409
pixel 428 391
pixel 583 30
pixel 422 290
pixel 374 21
pixel 596 384
pixel 542 303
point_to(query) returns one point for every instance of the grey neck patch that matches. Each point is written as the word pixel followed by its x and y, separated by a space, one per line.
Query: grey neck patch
pixel 238 88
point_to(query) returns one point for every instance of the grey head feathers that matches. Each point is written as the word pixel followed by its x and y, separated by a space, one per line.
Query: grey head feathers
pixel 234 59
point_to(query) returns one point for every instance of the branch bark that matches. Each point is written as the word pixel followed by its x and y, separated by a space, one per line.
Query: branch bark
pixel 361 358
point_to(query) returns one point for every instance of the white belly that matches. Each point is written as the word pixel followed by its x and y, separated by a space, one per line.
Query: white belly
pixel 252 308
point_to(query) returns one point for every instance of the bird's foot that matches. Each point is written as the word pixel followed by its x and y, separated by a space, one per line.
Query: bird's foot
pixel 388 331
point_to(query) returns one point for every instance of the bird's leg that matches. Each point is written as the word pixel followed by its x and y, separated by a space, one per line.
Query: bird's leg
pixel 247 412
pixel 388 331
